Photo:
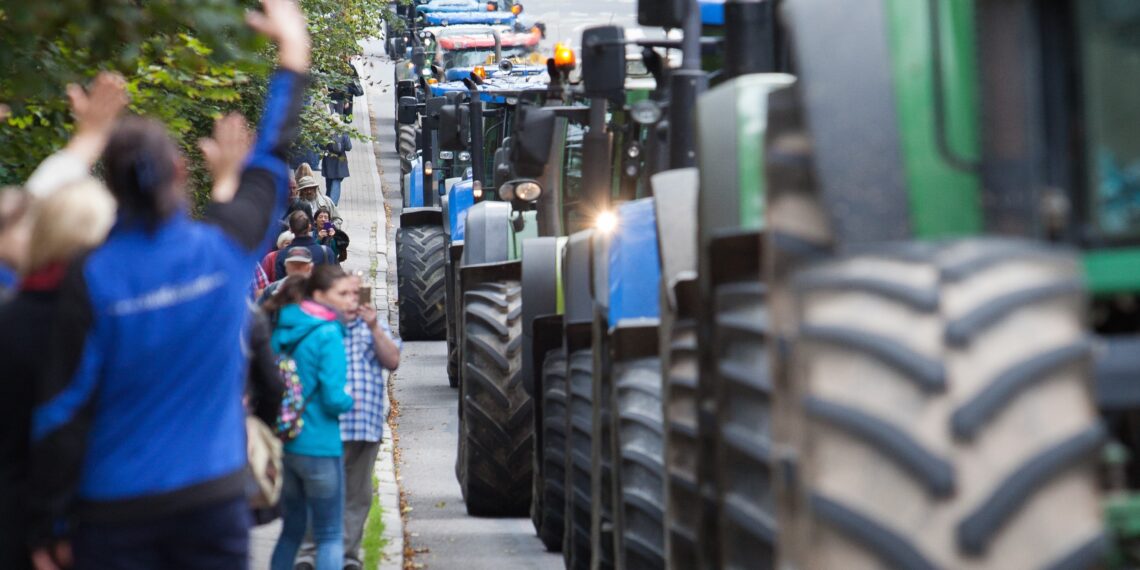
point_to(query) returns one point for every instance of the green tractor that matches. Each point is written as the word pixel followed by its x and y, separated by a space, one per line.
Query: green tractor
pixel 916 284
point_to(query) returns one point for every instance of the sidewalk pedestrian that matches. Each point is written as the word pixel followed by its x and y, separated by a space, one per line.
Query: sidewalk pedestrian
pixel 302 228
pixel 64 224
pixel 298 262
pixel 269 262
pixel 329 236
pixel 370 350
pixel 334 165
pixel 312 333
pixel 313 200
pixel 138 456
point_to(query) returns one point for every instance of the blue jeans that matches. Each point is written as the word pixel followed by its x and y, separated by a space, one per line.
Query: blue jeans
pixel 332 188
pixel 313 486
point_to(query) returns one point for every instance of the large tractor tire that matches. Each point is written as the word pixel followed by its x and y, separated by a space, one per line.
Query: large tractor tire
pixel 406 146
pixel 746 518
pixel 495 461
pixel 602 464
pixel 639 471
pixel 420 258
pixel 946 414
pixel 550 488
pixel 683 499
pixel 579 449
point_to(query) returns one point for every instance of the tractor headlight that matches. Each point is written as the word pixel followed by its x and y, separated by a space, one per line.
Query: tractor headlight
pixel 528 191
pixel 477 190
pixel 465 156
pixel 428 168
pixel 507 192
pixel 446 155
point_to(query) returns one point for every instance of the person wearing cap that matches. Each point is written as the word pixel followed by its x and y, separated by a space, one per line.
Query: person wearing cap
pixel 302 227
pixel 298 261
pixel 314 200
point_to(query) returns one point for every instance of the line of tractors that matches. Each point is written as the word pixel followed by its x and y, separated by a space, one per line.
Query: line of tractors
pixel 803 284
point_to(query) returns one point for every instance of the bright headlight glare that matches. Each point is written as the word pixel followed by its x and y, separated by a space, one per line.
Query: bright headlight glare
pixel 528 191
pixel 446 155
pixel 465 156
pixel 606 222
pixel 428 168
pixel 477 190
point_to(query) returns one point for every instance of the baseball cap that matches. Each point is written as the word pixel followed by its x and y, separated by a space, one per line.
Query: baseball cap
pixel 300 254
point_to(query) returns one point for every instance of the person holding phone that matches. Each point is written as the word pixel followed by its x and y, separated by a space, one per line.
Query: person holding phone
pixel 370 350
pixel 326 234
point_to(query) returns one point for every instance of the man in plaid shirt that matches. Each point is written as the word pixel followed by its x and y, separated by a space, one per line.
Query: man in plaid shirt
pixel 370 349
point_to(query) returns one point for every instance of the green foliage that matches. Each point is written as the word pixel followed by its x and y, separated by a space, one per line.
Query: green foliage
pixel 186 62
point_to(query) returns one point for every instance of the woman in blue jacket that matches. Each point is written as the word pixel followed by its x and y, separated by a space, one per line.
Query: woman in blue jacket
pixel 311 331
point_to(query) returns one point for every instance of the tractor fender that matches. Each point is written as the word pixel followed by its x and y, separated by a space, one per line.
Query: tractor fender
pixel 487 233
pixel 421 217
pixel 460 198
pixel 415 197
pixel 541 297
pixel 675 193
pixel 634 275
pixel 579 311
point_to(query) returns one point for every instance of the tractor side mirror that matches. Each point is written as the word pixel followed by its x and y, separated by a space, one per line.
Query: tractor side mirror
pixel 603 61
pixel 419 57
pixel 662 13
pixel 531 139
pixel 449 134
pixel 432 108
pixel 464 124
pixel 408 111
pixel 503 163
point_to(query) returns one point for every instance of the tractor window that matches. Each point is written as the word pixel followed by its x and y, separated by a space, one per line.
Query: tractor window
pixel 1110 58
pixel 573 218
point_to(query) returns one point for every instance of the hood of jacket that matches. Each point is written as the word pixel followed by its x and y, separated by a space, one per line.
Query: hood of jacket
pixel 297 321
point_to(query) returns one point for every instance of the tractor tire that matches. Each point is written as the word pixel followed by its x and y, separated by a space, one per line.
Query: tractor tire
pixel 551 486
pixel 420 259
pixel 579 450
pixel 451 292
pixel 683 498
pixel 496 420
pixel 406 146
pixel 602 462
pixel 746 519
pixel 639 474
pixel 946 414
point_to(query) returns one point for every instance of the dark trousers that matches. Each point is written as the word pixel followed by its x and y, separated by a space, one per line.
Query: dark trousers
pixel 214 536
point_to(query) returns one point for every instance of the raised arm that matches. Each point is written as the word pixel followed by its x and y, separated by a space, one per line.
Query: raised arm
pixel 249 195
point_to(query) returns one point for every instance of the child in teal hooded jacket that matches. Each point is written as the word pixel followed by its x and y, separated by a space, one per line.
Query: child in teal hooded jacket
pixel 311 331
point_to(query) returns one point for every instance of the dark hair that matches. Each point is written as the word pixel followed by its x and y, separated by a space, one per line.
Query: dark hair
pixel 322 210
pixel 289 292
pixel 140 164
pixel 323 278
pixel 299 222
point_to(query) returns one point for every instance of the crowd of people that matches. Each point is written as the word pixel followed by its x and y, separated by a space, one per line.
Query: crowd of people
pixel 144 370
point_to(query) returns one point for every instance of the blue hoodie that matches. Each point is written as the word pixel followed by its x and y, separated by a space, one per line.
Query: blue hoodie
pixel 311 333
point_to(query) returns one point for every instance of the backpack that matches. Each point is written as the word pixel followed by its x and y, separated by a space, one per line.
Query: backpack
pixel 293 401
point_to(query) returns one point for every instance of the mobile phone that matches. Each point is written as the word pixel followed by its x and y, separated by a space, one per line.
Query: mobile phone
pixel 328 226
pixel 366 295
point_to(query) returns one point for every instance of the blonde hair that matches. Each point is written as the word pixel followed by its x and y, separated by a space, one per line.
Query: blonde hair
pixel 71 219
pixel 304 170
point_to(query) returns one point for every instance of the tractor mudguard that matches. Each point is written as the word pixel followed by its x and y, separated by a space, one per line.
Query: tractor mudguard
pixel 541 297
pixel 579 311
pixel 415 194
pixel 486 232
pixel 634 276
pixel 460 198
pixel 676 199
pixel 421 217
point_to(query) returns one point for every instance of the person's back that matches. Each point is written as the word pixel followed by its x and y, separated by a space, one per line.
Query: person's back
pixel 138 434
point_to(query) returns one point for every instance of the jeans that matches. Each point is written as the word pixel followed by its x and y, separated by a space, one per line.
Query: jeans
pixel 332 188
pixel 213 536
pixel 359 464
pixel 313 486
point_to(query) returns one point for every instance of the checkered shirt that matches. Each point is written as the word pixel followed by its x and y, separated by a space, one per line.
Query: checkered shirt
pixel 365 422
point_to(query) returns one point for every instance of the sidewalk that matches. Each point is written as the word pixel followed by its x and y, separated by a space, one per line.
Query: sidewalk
pixel 362 207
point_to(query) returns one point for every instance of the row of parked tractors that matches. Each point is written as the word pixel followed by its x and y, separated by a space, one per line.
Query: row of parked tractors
pixel 811 283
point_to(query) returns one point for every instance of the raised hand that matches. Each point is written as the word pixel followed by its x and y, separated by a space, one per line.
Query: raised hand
pixel 283 22
pixel 96 110
pixel 225 153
